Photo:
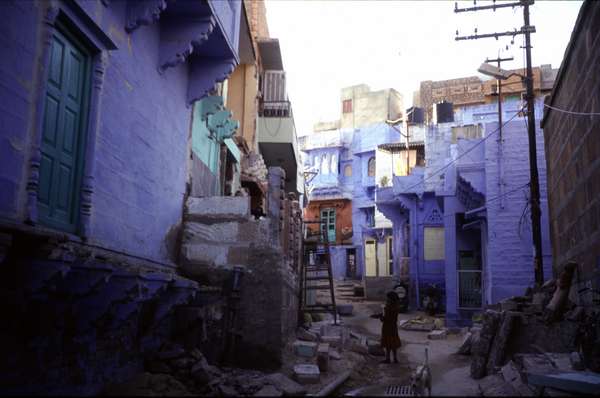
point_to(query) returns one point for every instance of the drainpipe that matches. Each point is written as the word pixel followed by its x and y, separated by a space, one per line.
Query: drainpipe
pixel 414 231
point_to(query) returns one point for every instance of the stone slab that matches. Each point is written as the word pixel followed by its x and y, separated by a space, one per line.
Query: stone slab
pixel 268 391
pixel 306 335
pixel 285 384
pixel 579 382
pixel 218 208
pixel 307 373
pixel 345 309
pixel 305 349
pixel 335 341
pixel 437 335
pixel 512 376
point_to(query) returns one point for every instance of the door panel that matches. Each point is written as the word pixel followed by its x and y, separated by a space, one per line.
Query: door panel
pixel 382 259
pixel 63 134
pixel 370 261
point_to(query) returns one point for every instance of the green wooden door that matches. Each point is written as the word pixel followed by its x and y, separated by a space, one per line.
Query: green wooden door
pixel 328 215
pixel 63 134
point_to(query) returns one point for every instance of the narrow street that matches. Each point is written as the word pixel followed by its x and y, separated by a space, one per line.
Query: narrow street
pixel 450 372
pixel 269 198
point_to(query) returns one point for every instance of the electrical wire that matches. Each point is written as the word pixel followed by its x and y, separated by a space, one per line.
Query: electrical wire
pixel 572 112
pixel 464 153
pixel 506 193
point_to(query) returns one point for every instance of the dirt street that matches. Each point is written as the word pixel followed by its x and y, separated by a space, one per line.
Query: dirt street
pixel 450 373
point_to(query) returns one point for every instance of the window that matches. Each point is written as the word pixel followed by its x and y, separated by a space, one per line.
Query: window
pixel 324 165
pixel 63 132
pixel 334 165
pixel 370 216
pixel 347 106
pixel 434 243
pixel 348 170
pixel 371 167
pixel 328 223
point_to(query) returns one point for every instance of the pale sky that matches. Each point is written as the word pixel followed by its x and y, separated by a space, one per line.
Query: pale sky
pixel 327 45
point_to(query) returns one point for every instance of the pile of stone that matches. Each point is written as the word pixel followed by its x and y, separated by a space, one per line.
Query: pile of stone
pixel 516 337
pixel 254 166
pixel 317 344
pixel 174 371
pixel 190 367
pixel 547 374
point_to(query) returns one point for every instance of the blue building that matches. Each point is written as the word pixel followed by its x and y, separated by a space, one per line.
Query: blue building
pixel 97 101
pixel 340 158
pixel 462 215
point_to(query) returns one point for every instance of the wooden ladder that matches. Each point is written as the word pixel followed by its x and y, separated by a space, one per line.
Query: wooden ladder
pixel 319 247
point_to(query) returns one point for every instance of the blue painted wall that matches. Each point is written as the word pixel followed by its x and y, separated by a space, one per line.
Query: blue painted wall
pixel 141 146
pixel 505 237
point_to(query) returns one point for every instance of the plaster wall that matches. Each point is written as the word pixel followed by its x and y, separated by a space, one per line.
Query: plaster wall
pixel 510 248
pixel 370 107
pixel 241 100
pixel 133 169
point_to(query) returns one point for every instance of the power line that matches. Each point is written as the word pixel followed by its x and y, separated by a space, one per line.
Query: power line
pixel 506 193
pixel 464 153
pixel 573 112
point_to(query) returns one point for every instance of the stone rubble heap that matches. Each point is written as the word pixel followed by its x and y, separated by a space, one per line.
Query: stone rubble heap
pixel 174 371
pixel 535 333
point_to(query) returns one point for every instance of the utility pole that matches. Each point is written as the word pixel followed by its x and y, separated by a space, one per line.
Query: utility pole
pixel 500 139
pixel 526 30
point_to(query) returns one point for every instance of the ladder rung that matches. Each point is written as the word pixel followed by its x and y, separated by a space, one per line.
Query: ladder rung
pixel 313 268
pixel 323 287
pixel 318 310
pixel 316 278
pixel 317 306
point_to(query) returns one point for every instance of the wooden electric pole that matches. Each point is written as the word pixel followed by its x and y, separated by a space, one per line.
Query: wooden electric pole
pixel 525 30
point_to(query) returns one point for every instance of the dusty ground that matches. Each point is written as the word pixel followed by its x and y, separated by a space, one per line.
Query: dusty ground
pixel 450 372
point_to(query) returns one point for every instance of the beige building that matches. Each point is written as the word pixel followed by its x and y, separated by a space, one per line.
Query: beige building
pixel 472 90
pixel 361 107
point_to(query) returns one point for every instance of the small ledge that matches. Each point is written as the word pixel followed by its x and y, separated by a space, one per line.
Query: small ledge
pixel 142 12
pixel 205 72
pixel 179 38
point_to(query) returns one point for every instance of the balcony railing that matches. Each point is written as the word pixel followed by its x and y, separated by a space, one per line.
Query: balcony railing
pixel 275 109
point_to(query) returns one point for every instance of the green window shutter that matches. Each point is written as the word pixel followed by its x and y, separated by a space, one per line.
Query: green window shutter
pixel 328 215
pixel 63 134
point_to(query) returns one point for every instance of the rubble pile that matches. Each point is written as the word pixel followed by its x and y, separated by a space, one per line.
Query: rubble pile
pixel 174 371
pixel 522 340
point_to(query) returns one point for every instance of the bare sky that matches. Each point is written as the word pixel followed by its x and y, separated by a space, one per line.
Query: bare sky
pixel 327 45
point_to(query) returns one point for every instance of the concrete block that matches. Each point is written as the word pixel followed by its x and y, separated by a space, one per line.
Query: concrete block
pixel 218 208
pixel 345 309
pixel 226 232
pixel 333 354
pixel 323 357
pixel 305 348
pixel 334 341
pixel 437 335
pixel 307 373
pixel 375 348
pixel 306 335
